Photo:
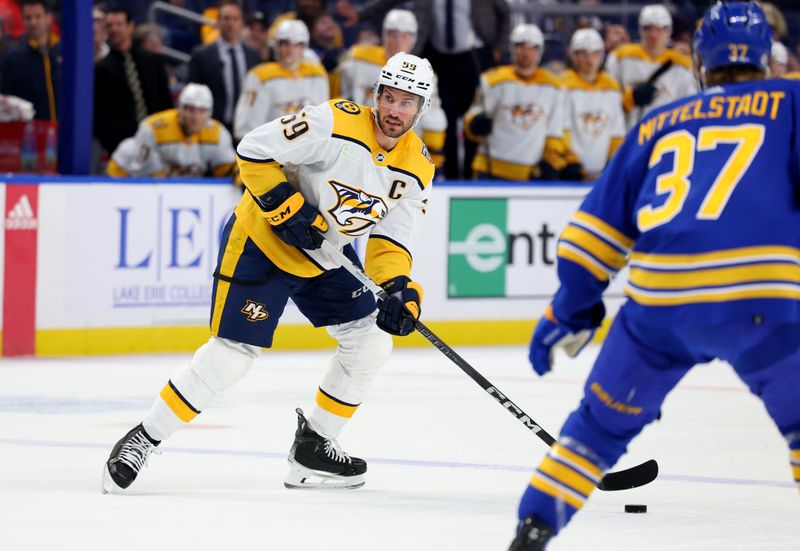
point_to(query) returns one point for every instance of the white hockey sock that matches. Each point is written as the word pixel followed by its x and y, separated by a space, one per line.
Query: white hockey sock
pixel 362 350
pixel 216 366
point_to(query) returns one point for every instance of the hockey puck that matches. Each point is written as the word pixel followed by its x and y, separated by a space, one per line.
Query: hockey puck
pixel 636 508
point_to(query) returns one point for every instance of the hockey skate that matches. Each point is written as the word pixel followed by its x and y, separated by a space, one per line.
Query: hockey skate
pixel 127 458
pixel 319 462
pixel 531 536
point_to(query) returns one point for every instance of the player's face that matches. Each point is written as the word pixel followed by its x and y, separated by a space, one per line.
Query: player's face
pixel 655 38
pixel 290 54
pixel 398 41
pixel 396 111
pixel 587 62
pixel 526 56
pixel 194 118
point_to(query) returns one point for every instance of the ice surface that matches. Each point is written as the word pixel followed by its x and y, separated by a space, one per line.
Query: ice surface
pixel 446 463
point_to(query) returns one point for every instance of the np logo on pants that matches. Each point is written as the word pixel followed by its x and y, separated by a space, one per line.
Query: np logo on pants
pixel 255 311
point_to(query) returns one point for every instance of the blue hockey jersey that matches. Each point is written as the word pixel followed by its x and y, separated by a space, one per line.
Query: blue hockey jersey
pixel 702 201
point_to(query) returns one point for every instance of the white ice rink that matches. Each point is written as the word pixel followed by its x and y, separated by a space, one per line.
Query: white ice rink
pixel 446 464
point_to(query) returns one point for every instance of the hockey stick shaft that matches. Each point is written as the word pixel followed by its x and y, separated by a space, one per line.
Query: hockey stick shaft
pixel 620 480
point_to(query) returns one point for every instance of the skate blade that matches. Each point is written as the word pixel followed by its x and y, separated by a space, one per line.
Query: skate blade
pixel 109 486
pixel 301 478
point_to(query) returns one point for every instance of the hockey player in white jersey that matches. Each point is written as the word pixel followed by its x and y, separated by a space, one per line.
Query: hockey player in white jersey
pixel 362 65
pixel 177 142
pixel 518 116
pixel 594 123
pixel 281 87
pixel 650 72
pixel 346 171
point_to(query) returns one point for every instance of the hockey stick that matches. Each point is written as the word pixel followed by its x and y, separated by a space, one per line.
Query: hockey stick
pixel 619 480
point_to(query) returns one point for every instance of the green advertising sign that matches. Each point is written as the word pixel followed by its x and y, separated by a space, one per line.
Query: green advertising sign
pixel 476 265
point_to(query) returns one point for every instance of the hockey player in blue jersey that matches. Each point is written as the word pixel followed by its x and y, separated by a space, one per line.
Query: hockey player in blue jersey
pixel 703 201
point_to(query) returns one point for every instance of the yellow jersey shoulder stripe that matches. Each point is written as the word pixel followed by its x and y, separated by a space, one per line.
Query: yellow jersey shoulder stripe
pixel 211 133
pixel 506 73
pixel 272 70
pixel 637 51
pixel 603 229
pixel 369 53
pixel 165 126
pixel 573 81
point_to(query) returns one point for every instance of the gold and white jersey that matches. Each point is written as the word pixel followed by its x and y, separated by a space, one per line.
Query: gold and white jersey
pixel 594 122
pixel 161 148
pixel 630 64
pixel 527 117
pixel 359 71
pixel 271 91
pixel 329 153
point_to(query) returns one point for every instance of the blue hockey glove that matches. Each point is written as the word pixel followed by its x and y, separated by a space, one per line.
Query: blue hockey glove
pixel 398 312
pixel 549 336
pixel 292 219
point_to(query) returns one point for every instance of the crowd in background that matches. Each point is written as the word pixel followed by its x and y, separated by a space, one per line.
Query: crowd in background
pixel 262 59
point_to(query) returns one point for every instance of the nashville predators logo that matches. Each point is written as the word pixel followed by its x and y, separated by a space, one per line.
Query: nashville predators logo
pixel 356 210
pixel 255 311
pixel 526 116
pixel 348 107
pixel 594 124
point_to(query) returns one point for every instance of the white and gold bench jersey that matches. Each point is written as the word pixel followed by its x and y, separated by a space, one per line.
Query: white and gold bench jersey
pixel 271 91
pixel 329 153
pixel 594 122
pixel 358 73
pixel 161 148
pixel 527 119
pixel 630 64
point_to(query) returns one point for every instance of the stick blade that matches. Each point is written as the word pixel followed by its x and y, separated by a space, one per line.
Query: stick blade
pixel 630 478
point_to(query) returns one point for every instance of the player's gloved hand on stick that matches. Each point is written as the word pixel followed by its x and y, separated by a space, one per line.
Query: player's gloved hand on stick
pixel 481 125
pixel 398 312
pixel 549 336
pixel 292 218
pixel 643 94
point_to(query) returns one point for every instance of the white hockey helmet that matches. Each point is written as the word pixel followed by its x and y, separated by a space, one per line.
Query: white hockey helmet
pixel 409 73
pixel 196 95
pixel 400 20
pixel 527 33
pixel 655 15
pixel 779 54
pixel 292 30
pixel 587 40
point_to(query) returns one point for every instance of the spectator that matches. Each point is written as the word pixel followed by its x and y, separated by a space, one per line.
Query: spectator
pixel 517 116
pixel 460 42
pixel 177 142
pixel 223 64
pixel 149 37
pixel 307 12
pixel 129 84
pixel 594 122
pixel 651 73
pixel 281 87
pixel 101 48
pixel 256 35
pixel 324 41
pixel 616 35
pixel 32 70
pixel 362 66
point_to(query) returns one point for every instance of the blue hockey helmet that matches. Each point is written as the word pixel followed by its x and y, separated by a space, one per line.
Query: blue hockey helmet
pixel 733 33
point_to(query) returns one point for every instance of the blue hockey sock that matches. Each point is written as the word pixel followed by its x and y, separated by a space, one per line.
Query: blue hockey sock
pixel 561 484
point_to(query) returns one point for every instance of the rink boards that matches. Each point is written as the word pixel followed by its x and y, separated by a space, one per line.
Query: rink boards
pixel 94 266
